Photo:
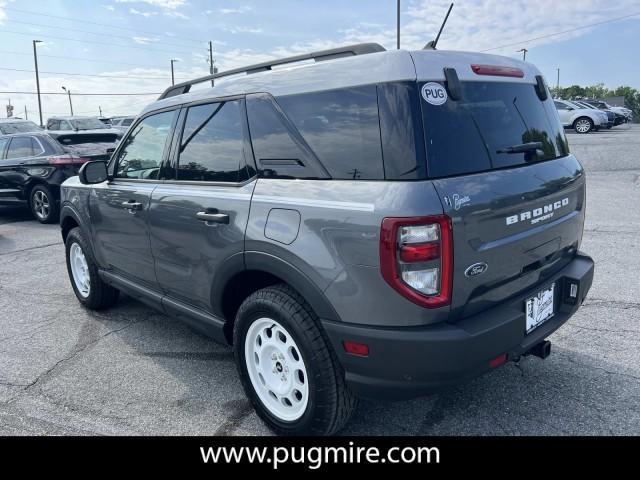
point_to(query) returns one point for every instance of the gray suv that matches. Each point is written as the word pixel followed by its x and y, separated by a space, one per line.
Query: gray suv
pixel 354 222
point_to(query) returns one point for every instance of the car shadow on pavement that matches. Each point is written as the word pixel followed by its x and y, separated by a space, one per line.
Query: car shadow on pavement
pixel 189 385
pixel 11 212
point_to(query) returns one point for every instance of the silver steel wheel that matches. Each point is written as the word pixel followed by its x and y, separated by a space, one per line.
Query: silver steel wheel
pixel 41 204
pixel 80 270
pixel 276 369
pixel 583 125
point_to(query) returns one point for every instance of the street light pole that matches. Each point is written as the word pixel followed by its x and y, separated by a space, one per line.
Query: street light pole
pixel 398 25
pixel 172 77
pixel 35 59
pixel 558 82
pixel 70 104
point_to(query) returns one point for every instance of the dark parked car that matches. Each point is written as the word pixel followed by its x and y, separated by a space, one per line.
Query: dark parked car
pixel 15 125
pixel 34 165
pixel 623 115
pixel 86 125
pixel 329 223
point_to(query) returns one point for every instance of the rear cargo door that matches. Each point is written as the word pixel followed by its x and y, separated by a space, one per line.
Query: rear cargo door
pixel 517 215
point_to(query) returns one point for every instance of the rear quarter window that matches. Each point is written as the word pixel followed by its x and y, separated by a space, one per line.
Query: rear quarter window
pixel 342 128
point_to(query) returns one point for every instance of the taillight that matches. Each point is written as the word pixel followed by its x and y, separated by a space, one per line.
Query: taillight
pixel 416 258
pixel 497 71
pixel 66 160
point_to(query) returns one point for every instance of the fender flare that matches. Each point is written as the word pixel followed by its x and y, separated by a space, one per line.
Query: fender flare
pixel 67 211
pixel 271 264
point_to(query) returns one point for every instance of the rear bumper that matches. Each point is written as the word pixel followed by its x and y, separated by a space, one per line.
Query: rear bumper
pixel 410 362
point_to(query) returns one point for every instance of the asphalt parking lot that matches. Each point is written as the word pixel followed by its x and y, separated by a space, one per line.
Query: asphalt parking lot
pixel 130 370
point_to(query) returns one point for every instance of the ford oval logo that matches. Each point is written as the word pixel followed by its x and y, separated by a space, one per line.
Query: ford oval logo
pixel 476 269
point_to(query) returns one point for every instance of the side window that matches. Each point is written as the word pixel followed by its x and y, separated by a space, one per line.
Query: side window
pixel 53 125
pixel 342 128
pixel 3 144
pixel 279 150
pixel 20 147
pixel 560 106
pixel 212 145
pixel 143 151
pixel 36 147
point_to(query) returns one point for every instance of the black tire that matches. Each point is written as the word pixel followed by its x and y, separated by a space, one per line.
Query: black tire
pixel 330 403
pixel 583 125
pixel 44 206
pixel 100 294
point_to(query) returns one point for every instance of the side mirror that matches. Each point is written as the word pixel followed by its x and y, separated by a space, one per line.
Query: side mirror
pixel 93 172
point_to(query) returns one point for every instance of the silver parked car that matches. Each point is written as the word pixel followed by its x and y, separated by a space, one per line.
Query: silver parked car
pixel 581 119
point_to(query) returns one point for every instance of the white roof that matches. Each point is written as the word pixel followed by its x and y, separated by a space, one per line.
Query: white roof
pixel 371 68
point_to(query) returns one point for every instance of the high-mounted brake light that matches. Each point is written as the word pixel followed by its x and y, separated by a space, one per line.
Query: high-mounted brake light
pixel 497 71
pixel 66 160
pixel 416 258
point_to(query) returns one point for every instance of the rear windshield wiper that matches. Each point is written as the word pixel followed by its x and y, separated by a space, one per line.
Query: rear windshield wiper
pixel 523 148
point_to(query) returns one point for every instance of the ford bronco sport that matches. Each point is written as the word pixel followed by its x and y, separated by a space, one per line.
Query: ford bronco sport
pixel 356 222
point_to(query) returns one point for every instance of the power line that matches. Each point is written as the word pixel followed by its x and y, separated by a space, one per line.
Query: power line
pixel 119 27
pixel 85 74
pixel 158 42
pixel 98 43
pixel 92 60
pixel 76 94
pixel 563 32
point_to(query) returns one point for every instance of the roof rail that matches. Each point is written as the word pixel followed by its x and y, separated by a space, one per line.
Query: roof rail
pixel 359 49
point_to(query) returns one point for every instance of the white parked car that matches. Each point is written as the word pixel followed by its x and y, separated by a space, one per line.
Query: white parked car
pixel 581 119
pixel 122 123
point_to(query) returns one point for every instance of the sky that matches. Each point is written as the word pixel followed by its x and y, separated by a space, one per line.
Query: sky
pixel 125 46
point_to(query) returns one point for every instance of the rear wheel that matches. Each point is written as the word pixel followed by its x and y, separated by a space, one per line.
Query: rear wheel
pixel 43 205
pixel 583 125
pixel 89 288
pixel 287 367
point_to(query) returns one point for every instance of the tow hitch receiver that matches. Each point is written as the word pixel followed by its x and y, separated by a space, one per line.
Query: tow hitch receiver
pixel 541 350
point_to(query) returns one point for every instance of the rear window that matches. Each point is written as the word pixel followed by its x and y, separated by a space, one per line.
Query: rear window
pixel 88 124
pixel 18 127
pixel 464 136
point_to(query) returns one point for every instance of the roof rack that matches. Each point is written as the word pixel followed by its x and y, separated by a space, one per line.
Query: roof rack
pixel 359 49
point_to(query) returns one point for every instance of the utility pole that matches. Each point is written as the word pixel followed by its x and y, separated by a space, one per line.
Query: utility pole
pixel 524 54
pixel 172 78
pixel 26 117
pixel 398 25
pixel 70 104
pixel 558 82
pixel 35 59
pixel 211 69
pixel 100 110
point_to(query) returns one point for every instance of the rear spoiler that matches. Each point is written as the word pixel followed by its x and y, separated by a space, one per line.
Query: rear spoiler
pixel 78 138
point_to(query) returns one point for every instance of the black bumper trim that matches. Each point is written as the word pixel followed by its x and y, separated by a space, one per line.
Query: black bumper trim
pixel 413 361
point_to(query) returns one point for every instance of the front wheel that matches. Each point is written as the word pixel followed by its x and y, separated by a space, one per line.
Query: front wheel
pixel 89 288
pixel 583 125
pixel 287 367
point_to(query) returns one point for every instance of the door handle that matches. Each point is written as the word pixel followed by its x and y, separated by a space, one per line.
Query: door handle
pixel 213 217
pixel 131 205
